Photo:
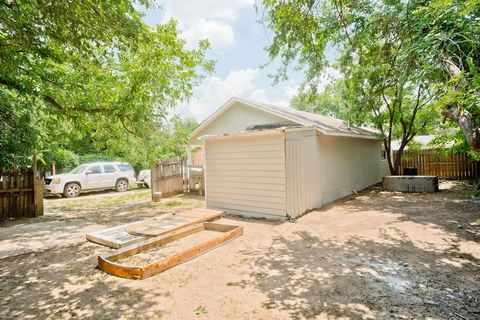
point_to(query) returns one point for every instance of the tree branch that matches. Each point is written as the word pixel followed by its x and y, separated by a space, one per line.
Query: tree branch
pixel 339 8
pixel 52 101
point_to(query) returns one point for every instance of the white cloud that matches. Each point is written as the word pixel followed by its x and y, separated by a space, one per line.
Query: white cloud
pixel 215 91
pixel 291 91
pixel 190 9
pixel 206 19
pixel 218 33
pixel 329 75
pixel 259 95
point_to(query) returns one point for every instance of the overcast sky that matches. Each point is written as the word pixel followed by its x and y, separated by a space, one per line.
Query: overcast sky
pixel 237 40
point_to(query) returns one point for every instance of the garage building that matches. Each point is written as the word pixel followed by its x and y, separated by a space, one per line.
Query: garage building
pixel 276 162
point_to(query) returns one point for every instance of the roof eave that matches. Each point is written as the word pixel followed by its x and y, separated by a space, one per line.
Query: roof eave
pixel 350 135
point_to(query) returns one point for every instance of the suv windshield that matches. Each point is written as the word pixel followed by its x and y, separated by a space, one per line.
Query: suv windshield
pixel 79 169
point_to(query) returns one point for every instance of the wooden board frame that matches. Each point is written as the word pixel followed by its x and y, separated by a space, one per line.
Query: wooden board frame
pixel 122 236
pixel 154 228
pixel 108 262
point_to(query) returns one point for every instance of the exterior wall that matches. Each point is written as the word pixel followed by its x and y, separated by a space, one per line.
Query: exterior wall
pixel 245 175
pixel 348 164
pixel 237 118
pixel 303 181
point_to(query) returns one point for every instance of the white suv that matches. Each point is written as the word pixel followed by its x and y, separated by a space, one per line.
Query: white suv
pixel 91 176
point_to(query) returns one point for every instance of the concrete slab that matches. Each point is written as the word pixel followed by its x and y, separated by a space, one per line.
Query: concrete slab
pixel 410 183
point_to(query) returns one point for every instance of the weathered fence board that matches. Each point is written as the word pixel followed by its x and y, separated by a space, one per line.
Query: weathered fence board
pixel 168 177
pixel 21 195
pixel 173 176
pixel 455 166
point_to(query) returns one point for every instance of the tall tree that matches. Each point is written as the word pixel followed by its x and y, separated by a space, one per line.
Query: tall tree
pixel 390 81
pixel 93 67
pixel 446 34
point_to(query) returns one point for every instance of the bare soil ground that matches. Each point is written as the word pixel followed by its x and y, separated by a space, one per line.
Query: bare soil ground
pixel 381 255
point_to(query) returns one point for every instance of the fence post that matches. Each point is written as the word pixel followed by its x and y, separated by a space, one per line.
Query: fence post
pixel 37 189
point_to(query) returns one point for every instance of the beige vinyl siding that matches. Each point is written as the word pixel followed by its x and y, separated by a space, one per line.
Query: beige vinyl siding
pixel 245 175
pixel 347 165
pixel 302 171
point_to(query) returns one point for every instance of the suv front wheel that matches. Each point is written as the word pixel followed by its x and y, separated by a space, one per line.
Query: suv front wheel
pixel 121 185
pixel 72 190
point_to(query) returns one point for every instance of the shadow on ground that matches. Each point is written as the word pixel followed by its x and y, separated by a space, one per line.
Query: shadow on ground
pixel 451 209
pixel 63 283
pixel 360 279
pixel 392 270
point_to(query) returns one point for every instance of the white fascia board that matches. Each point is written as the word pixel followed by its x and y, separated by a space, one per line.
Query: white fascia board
pixel 349 135
pixel 243 133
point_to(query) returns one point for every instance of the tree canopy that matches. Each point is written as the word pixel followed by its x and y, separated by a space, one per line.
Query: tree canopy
pixel 77 71
pixel 395 56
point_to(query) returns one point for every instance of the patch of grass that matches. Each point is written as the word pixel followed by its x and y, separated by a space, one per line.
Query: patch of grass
pixel 118 200
pixel 180 203
pixel 201 311
pixel 172 203
pixel 475 193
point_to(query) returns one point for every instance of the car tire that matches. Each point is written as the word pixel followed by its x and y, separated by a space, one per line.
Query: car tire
pixel 121 185
pixel 72 190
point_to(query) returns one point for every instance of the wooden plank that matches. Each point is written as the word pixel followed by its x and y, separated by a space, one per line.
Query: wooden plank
pixel 107 262
pixel 184 218
pixel 115 237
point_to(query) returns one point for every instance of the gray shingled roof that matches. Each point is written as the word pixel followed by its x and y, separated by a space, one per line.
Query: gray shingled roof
pixel 326 125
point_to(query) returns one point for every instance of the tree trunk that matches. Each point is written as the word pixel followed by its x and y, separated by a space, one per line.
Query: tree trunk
pixel 454 112
pixel 388 151
pixel 394 164
pixel 465 120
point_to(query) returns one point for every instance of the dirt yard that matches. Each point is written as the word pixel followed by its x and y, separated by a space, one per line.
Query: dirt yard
pixel 380 255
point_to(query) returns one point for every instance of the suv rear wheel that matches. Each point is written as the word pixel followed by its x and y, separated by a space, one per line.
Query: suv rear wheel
pixel 72 190
pixel 121 185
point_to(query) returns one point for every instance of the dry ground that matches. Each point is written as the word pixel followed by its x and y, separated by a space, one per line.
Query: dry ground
pixel 381 255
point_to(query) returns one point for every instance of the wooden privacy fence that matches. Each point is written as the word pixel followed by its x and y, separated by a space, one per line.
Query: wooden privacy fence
pixel 168 177
pixel 455 166
pixel 21 195
pixel 173 176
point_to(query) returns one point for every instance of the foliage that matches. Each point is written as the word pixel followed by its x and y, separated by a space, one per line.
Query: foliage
pixel 65 160
pixel 17 129
pixel 328 102
pixel 89 75
pixel 176 141
pixel 392 74
pixel 446 35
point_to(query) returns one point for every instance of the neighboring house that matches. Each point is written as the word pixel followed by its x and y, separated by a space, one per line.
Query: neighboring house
pixel 422 140
pixel 197 158
pixel 276 162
